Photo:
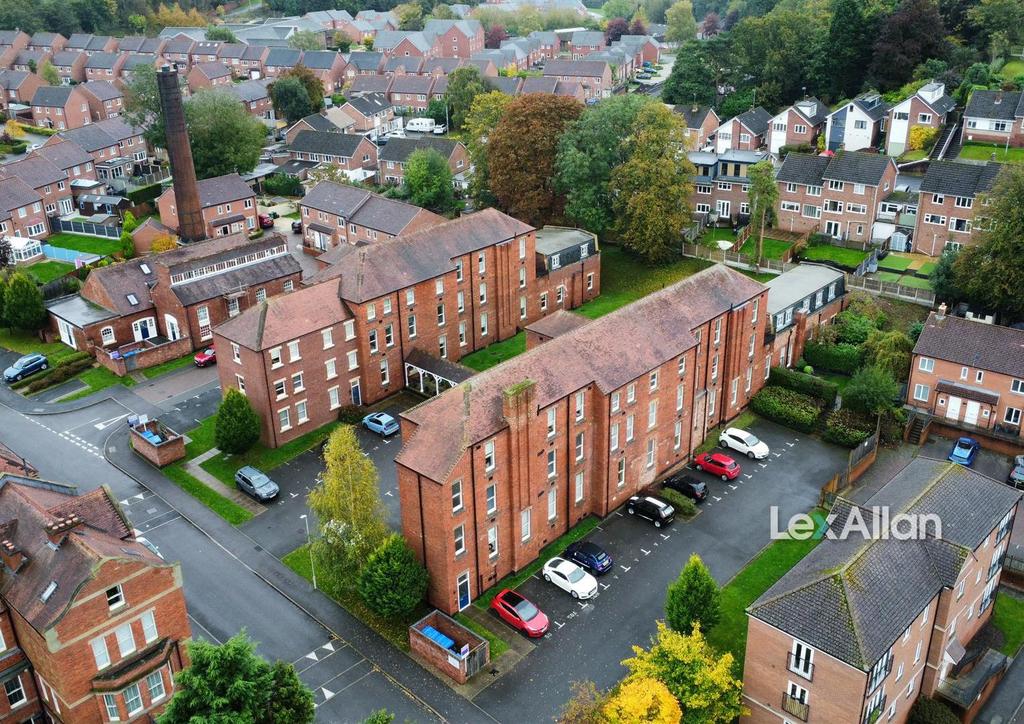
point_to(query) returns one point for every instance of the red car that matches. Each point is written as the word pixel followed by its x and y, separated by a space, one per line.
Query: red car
pixel 520 614
pixel 207 357
pixel 265 222
pixel 718 464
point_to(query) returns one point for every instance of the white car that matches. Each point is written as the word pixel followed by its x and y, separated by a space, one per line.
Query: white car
pixel 570 577
pixel 743 442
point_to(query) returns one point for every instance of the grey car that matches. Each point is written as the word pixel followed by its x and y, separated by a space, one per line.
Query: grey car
pixel 256 483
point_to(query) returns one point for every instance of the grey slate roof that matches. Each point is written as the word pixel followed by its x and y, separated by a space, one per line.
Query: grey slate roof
pixel 857 167
pixel 64 155
pixel 319 59
pixel 363 84
pixel 581 68
pixel 399 149
pixel 221 189
pixel 101 134
pixel 283 57
pixel 326 142
pixel 250 90
pixel 36 171
pixel 802 168
pixel 797 284
pixel 975 344
pixel 97 42
pixel 853 598
pixel 365 59
pixel 65 57
pixel 214 286
pixel 588 37
pixel 12 79
pixel 42 38
pixel 388 39
pixel 52 96
pixel 102 61
pixel 412 84
pixel 756 119
pixel 103 90
pixel 445 65
pixel 79 311
pixel 213 69
pixel 508 86
pixel 362 207
pixel 79 41
pixel 407 64
pixel 370 103
pixel 998 105
pixel 15 193
pixel 959 179
pixel 812 109
pixel 694 116
pixel 134 60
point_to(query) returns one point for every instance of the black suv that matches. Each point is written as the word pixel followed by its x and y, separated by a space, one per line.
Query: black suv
pixel 654 509
pixel 688 485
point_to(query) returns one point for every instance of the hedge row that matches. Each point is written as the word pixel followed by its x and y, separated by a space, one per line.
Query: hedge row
pixel 60 374
pixel 683 505
pixel 847 428
pixel 808 384
pixel 144 194
pixel 351 414
pixel 64 362
pixel 787 407
pixel 844 358
pixel 39 130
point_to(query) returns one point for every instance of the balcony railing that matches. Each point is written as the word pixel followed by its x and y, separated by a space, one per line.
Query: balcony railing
pixel 792 705
pixel 875 713
pixel 801 666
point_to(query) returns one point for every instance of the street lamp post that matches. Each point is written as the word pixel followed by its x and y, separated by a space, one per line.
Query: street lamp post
pixel 309 547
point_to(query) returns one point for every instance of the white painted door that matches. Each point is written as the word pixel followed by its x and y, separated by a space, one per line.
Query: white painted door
pixel 67 335
pixel 462 588
pixel 971 415
pixel 722 207
pixel 953 408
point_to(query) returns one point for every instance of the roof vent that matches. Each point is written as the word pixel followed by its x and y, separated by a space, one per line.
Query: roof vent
pixel 941 314
pixel 48 591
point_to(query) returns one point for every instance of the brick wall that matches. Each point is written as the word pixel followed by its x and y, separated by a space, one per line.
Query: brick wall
pixel 171 449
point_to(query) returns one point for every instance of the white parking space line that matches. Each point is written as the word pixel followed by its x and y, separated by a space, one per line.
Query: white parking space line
pixel 205 630
pixel 107 423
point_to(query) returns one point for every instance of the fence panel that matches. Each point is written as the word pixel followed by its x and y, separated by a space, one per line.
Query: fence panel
pixel 88 228
pixel 69 255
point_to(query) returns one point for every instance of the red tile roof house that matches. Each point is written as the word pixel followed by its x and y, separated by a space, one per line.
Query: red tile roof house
pixel 204 51
pixel 335 214
pixel 105 66
pixel 584 42
pixel 969 376
pixel 863 626
pixel 105 99
pixel 228 205
pixel 328 66
pixel 15 39
pixel 797 125
pixel 493 470
pixel 411 92
pixel 456 38
pixel 701 122
pixel 594 75
pixel 354 154
pixel 950 193
pixel 746 132
pixel 18 87
pixel 839 196
pixel 95 621
pixel 21 210
pixel 407 309
pixel 70 65
pixel 995 117
pixel 60 107
pixel 394 156
pixel 208 75
pixel 928 108
pixel 47 179
pixel 167 304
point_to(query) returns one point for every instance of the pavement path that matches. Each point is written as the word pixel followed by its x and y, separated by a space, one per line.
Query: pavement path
pixel 237 496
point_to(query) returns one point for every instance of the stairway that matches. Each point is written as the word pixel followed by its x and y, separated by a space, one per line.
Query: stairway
pixel 948 143
pixel 917 426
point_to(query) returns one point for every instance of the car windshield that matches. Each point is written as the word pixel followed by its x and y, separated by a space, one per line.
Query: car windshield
pixel 22 363
pixel 526 610
pixel 963 447
pixel 576 575
pixel 730 465
pixel 752 440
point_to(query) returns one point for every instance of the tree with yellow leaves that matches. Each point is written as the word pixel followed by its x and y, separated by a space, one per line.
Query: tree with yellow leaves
pixel 696 675
pixel 642 700
pixel 163 243
pixel 13 129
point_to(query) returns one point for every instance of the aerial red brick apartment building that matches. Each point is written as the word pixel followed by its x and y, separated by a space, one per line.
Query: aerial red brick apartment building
pixel 861 627
pixel 399 314
pixel 92 622
pixel 495 469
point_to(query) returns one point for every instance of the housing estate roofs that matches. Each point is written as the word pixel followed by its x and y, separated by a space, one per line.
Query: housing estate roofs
pixel 399 149
pixel 959 179
pixel 326 142
pixel 975 344
pixel 996 104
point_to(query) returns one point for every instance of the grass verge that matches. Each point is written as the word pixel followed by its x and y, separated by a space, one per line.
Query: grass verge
pixel 225 508
pixel 27 342
pixel 202 438
pixel 169 366
pixel 984 151
pixel 915 282
pixel 223 466
pixel 85 244
pixel 768 566
pixel 895 263
pixel 1008 617
pixel 495 354
pixel 498 645
pixel 762 277
pixel 47 271
pixel 553 548
pixel 98 378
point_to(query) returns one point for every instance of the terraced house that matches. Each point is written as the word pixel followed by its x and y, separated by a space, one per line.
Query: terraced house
pixel 862 627
pixel 494 469
pixel 228 206
pixel 951 195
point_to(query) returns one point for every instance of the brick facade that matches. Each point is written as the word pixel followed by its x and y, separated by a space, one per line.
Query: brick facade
pixel 72 110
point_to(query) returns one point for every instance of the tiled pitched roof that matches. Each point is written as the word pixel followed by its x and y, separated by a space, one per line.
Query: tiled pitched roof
pixel 802 168
pixel 998 105
pixel 66 57
pixel 101 134
pixel 389 39
pixel 557 323
pixel 365 59
pixel 12 79
pixel 508 86
pixel 694 116
pixel 102 61
pixel 579 68
pixel 15 193
pixel 368 84
pixel 853 598
pixel 756 119
pixel 111 285
pixel 319 122
pixel 220 189
pixel 102 90
pixel 78 40
pixel 411 83
pixel 857 167
pixel 872 105
pixel 52 96
pixel 250 90
pixel 406 64
pixel 326 142
pixel 812 109
pixel 975 344
pixel 213 69
pixel 399 149
pixel 35 171
pixel 319 59
pixel 250 275
pixel 445 65
pixel 593 353
pixel 370 103
pixel 959 179
pixel 65 154
pixel 283 57
pixel 588 37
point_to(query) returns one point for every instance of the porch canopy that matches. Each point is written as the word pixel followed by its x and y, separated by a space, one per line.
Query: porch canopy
pixel 431 375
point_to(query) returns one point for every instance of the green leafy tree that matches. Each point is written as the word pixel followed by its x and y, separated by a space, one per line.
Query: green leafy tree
pixel 618 9
pixel 23 303
pixel 650 190
pixel 4 282
pixel 850 36
pixel 943 279
pixel 428 179
pixel 129 223
pixel 989 272
pixel 313 86
pixel 368 43
pixel 995 17
pixel 764 197
pixel 224 137
pixel 692 598
pixel 237 427
pixel 931 711
pixel 290 99
pixel 656 9
pixel 127 245
pixel 521 155
pixel 908 37
pixel 142 105
pixel 305 40
pixel 215 32
pixel 692 80
pixel 48 73
pixel 393 582
pixel 588 152
pixel 584 706
pixel 342 42
pixel 410 16
pixel 348 507
pixel 437 110
pixel 464 85
pixel 890 351
pixel 699 678
pixel 443 12
pixel 229 682
pixel 872 390
pixel 680 21
pixel 484 115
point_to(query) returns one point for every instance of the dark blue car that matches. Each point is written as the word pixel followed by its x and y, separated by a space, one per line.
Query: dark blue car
pixel 589 555
pixel 25 366
pixel 964 452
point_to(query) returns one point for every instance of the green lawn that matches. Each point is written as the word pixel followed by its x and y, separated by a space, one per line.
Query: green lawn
pixel 1012 69
pixel 202 437
pixel 226 508
pixel 223 466
pixel 1008 617
pixel 839 379
pixel 926 269
pixel 840 255
pixel 714 234
pixel 26 343
pixel 772 248
pixel 498 644
pixel 909 280
pixel 984 151
pixel 553 548
pixel 888 277
pixel 918 155
pixel 47 271
pixel 85 244
pixel 895 263
pixel 169 366
pixel 730 634
pixel 495 354
pixel 97 378
pixel 758 276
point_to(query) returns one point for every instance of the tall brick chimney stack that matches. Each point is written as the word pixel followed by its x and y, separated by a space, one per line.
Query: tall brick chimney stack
pixel 186 190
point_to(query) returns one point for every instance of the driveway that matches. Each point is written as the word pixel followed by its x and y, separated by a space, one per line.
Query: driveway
pixel 595 636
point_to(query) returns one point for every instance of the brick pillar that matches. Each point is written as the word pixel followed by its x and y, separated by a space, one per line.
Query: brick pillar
pixel 517 405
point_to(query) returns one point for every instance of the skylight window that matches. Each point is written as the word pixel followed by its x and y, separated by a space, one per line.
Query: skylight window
pixel 145 268
pixel 48 591
pixel 132 299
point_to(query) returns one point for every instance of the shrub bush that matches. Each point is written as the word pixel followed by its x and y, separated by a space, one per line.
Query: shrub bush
pixel 45 374
pixel 844 358
pixel 847 428
pixel 393 582
pixel 808 384
pixel 278 184
pixel 237 427
pixel 930 711
pixel 144 194
pixel 59 374
pixel 853 328
pixel 787 407
pixel 39 130
pixel 683 505
pixel 890 432
pixel 351 414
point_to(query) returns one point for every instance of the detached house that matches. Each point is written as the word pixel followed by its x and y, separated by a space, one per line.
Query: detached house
pixel 70 65
pixel 928 108
pixel 745 132
pixel 228 206
pixel 21 210
pixel 60 107
pixel 18 87
pixel 209 74
pixel 797 125
pixel 858 124
pixel 404 42
pixel 373 113
pixel 995 117
pixel 105 99
pixel 701 122
pixel 394 155
pixel 951 194
pixel 327 66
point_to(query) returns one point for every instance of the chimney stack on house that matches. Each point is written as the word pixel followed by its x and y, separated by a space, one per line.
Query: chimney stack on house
pixel 179 151
pixel 941 314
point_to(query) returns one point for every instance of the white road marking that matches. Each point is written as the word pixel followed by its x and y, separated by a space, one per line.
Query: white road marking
pixel 748 476
pixel 717 499
pixel 645 552
pixel 603 585
pixel 790 444
pixel 107 423
pixel 559 624
pixel 732 486
pixel 625 568
pixel 665 536
pixel 763 465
